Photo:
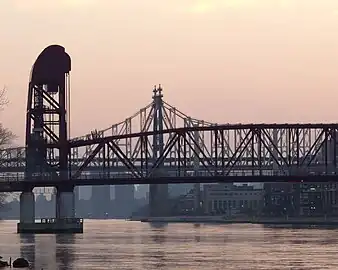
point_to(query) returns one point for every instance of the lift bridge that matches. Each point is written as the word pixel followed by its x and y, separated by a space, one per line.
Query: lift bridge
pixel 158 145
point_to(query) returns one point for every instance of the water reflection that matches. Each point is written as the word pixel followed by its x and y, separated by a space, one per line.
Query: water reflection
pixel 45 251
pixel 160 225
pixel 197 230
pixel 153 253
pixel 27 247
pixel 65 251
pixel 54 251
pixel 132 245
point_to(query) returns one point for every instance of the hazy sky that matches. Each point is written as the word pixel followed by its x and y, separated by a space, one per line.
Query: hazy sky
pixel 218 60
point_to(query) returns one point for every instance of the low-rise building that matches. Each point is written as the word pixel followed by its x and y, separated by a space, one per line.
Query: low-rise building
pixel 281 199
pixel 184 205
pixel 301 199
pixel 318 199
pixel 230 199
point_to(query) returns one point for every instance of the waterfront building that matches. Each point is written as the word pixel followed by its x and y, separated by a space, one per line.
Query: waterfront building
pixel 230 199
pixel 318 199
pixel 300 199
pixel 281 199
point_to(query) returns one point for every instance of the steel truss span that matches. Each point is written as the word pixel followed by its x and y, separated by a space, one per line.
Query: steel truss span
pixel 212 154
pixel 288 150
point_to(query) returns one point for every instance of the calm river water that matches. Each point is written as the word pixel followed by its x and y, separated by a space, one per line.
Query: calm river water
pixel 112 244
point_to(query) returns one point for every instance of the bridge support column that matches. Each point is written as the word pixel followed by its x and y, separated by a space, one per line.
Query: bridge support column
pixel 158 200
pixel 65 203
pixel 197 186
pixel 27 207
pixel 158 193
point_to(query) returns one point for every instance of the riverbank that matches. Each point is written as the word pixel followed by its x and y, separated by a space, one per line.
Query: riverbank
pixel 317 221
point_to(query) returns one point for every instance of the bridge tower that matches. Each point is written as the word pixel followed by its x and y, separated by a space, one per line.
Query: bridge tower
pixel 158 193
pixel 47 123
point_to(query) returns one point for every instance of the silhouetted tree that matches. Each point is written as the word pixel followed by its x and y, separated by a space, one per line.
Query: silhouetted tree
pixel 6 137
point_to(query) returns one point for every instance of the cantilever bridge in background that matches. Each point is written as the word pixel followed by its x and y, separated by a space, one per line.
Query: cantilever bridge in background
pixel 157 145
pixel 192 151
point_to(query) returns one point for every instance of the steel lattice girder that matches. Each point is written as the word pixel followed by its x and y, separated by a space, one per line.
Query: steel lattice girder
pixel 226 150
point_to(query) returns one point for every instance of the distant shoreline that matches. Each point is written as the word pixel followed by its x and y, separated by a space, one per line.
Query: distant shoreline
pixel 259 221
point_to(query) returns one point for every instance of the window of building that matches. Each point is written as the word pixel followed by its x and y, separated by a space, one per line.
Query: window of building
pixel 255 204
pixel 220 204
pixel 210 206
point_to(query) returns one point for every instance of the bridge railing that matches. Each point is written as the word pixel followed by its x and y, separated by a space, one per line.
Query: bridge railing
pixel 316 170
pixel 61 220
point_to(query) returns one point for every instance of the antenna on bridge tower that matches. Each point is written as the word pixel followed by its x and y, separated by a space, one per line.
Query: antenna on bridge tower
pixel 158 121
pixel 154 91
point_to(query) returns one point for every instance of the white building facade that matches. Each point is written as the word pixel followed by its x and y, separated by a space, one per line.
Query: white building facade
pixel 229 199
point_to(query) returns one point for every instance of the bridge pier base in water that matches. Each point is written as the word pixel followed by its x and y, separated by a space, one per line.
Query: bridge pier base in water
pixel 27 207
pixel 65 221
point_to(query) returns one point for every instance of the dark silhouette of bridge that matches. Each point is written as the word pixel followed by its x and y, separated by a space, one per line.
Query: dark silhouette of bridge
pixel 158 145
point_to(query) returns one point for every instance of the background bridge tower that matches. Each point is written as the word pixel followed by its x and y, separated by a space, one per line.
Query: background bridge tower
pixel 158 193
pixel 47 130
pixel 128 156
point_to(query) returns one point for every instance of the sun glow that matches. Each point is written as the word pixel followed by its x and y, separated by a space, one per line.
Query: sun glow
pixel 205 6
pixel 76 3
pixel 51 4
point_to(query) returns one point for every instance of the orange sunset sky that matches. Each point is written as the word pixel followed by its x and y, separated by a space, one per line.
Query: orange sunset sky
pixel 218 60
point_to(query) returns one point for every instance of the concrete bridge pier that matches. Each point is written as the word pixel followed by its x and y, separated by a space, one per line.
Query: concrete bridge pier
pixel 65 221
pixel 65 202
pixel 158 200
pixel 27 207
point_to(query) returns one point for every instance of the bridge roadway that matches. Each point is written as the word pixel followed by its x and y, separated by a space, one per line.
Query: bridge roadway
pixel 17 165
pixel 169 168
pixel 18 182
pixel 18 172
